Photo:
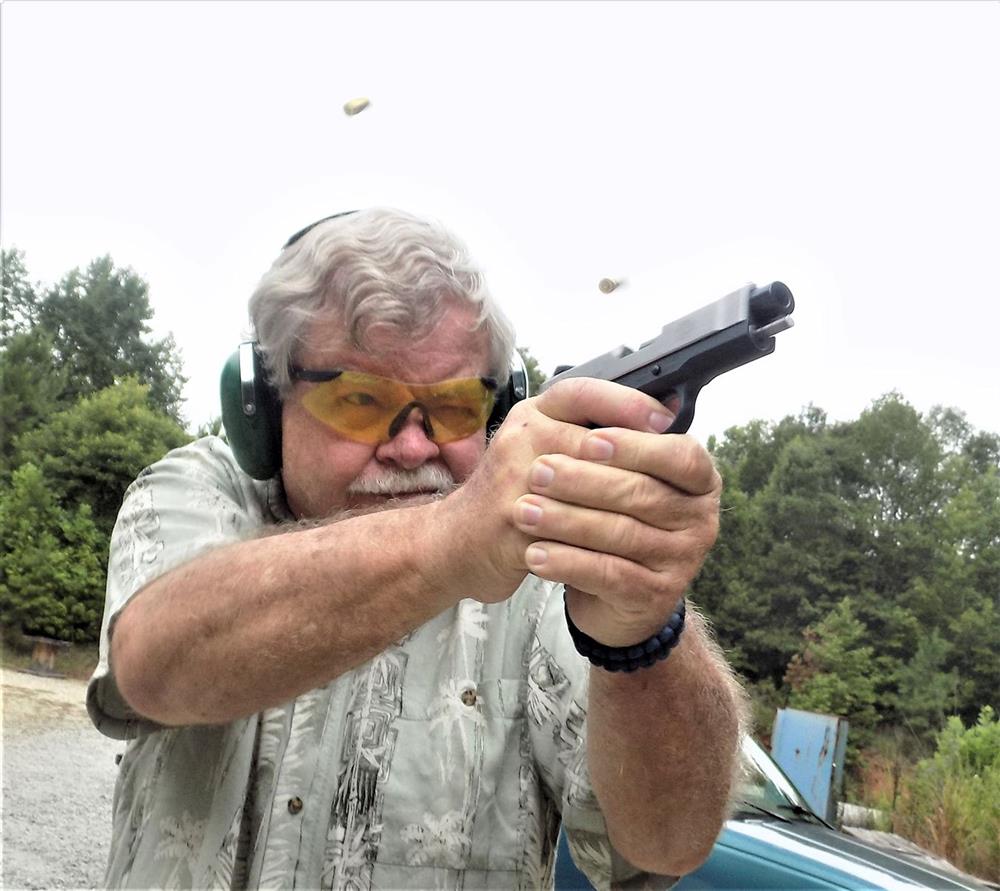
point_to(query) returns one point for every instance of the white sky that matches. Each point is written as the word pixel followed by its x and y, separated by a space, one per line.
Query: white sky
pixel 850 150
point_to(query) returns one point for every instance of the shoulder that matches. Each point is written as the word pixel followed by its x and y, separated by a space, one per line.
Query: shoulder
pixel 204 473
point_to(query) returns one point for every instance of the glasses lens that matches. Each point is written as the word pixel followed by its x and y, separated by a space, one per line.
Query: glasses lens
pixel 458 408
pixel 362 406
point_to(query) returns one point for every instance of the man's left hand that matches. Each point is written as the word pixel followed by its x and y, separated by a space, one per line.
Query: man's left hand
pixel 626 526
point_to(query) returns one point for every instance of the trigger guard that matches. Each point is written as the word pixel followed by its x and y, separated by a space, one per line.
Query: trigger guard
pixel 688 394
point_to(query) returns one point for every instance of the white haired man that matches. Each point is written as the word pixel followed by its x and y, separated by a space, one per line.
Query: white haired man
pixel 360 673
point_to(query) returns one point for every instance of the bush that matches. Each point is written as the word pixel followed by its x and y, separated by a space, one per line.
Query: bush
pixel 51 567
pixel 951 801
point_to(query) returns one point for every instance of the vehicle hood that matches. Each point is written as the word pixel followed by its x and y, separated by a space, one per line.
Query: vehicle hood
pixel 837 857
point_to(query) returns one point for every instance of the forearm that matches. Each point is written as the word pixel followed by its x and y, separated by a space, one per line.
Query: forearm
pixel 257 623
pixel 663 752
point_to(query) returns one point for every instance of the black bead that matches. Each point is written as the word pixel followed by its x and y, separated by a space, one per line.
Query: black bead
pixel 628 659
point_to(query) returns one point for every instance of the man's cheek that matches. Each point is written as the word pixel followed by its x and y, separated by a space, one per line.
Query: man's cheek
pixel 463 457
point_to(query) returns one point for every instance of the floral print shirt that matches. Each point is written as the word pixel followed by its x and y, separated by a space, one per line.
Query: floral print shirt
pixel 447 761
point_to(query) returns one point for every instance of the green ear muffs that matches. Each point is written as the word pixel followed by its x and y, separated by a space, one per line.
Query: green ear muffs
pixel 251 410
pixel 251 413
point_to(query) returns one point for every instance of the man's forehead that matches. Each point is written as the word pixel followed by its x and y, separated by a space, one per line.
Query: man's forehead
pixel 453 345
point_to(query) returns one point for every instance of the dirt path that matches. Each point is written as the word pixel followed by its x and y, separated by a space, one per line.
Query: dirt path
pixel 58 780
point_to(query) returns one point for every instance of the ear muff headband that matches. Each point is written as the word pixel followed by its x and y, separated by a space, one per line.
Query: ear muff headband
pixel 311 226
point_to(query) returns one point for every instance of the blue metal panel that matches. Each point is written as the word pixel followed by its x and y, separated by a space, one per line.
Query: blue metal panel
pixel 809 748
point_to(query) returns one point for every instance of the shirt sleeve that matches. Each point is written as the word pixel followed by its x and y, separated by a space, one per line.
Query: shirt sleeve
pixel 557 711
pixel 194 499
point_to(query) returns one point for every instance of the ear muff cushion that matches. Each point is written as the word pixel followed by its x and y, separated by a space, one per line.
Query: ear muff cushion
pixel 254 435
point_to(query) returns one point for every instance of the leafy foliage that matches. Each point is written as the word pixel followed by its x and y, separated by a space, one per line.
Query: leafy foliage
pixel 951 803
pixel 98 322
pixel 77 427
pixel 896 513
pixel 31 388
pixel 51 566
pixel 91 452
pixel 95 325
pixel 18 303
pixel 833 672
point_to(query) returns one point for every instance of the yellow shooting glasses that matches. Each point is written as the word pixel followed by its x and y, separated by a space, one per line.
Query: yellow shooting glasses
pixel 372 409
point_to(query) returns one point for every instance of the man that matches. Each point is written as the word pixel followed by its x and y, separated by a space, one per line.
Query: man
pixel 359 673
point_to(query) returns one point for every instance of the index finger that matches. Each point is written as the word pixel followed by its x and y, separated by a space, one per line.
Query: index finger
pixel 591 402
pixel 678 459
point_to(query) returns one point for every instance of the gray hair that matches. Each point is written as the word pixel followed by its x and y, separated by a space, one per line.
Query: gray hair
pixel 374 268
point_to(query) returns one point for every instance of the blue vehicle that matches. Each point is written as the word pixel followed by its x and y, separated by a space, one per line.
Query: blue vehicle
pixel 774 842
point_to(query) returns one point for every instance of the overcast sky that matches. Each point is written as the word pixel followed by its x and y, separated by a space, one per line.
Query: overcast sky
pixel 850 150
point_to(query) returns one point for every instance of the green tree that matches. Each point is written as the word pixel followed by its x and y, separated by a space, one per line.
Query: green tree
pixel 927 692
pixel 726 589
pixel 896 510
pixel 815 544
pixel 898 463
pixel 18 297
pixel 751 453
pixel 30 388
pixel 833 672
pixel 51 572
pixel 974 656
pixel 98 323
pixel 73 339
pixel 91 452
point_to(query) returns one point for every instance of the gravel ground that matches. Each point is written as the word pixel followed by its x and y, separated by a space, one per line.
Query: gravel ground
pixel 58 780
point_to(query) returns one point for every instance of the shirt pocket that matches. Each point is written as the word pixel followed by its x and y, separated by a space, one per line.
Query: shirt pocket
pixel 455 794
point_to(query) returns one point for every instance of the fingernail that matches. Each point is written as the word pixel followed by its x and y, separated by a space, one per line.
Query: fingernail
pixel 598 449
pixel 536 555
pixel 541 474
pixel 530 514
pixel 660 421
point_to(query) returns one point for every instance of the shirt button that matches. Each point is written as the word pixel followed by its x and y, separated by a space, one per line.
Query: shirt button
pixel 294 805
pixel 469 696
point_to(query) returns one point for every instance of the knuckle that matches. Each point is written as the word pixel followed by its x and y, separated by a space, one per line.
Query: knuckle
pixel 671 584
pixel 718 484
pixel 572 388
pixel 706 525
pixel 696 465
pixel 608 573
pixel 565 467
pixel 558 390
pixel 637 404
pixel 634 491
pixel 627 537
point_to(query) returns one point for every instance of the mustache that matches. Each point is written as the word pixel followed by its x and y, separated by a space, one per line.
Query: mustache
pixel 427 478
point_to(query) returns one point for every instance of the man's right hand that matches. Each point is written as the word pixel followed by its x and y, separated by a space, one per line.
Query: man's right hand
pixel 623 515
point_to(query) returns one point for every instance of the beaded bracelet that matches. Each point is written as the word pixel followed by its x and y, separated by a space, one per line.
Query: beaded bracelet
pixel 640 655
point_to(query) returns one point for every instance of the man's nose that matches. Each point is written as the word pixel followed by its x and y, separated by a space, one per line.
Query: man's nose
pixel 410 445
